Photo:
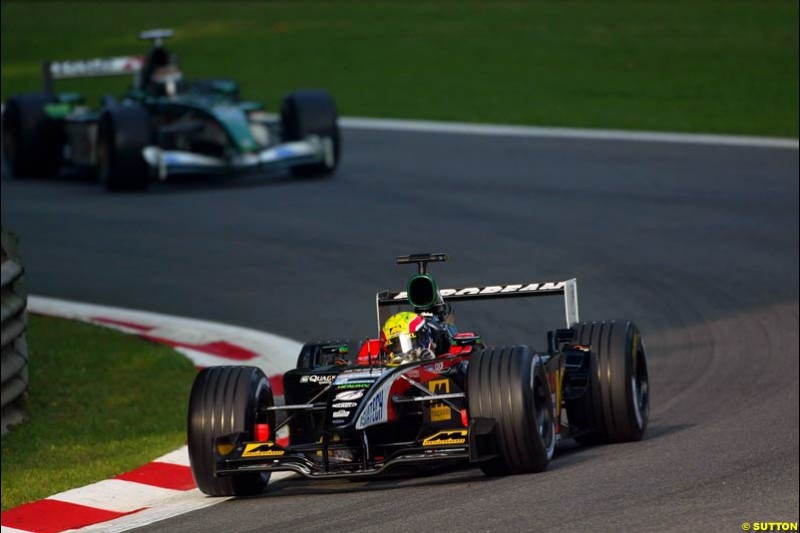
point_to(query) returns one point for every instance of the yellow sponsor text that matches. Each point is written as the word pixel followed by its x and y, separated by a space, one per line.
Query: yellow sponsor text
pixel 439 411
pixel 446 438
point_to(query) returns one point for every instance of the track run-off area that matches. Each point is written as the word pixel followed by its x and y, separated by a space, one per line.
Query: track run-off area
pixel 697 242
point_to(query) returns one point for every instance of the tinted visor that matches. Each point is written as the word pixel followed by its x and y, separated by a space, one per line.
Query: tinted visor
pixel 403 343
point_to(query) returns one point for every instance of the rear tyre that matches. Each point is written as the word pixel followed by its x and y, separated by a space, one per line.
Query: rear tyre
pixel 311 112
pixel 33 143
pixel 617 402
pixel 123 131
pixel 225 400
pixel 510 386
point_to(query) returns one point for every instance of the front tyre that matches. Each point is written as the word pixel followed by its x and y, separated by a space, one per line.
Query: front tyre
pixel 123 132
pixel 225 400
pixel 510 386
pixel 312 112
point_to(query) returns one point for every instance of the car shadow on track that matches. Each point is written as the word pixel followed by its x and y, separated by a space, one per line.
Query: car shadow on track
pixel 178 184
pixel 299 486
pixel 186 184
pixel 568 454
pixel 401 479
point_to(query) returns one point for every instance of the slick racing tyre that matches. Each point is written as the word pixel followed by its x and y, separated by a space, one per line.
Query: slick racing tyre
pixel 124 130
pixel 509 385
pixel 311 112
pixel 32 141
pixel 225 400
pixel 617 401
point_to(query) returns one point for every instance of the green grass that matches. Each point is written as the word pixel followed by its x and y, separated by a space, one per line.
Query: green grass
pixel 100 403
pixel 691 65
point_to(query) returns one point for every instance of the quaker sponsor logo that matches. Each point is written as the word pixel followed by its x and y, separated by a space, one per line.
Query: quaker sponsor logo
pixel 323 379
pixel 96 67
pixel 373 411
pixel 267 449
pixel 341 413
pixel 446 438
pixel 349 395
pixel 495 289
pixel 345 405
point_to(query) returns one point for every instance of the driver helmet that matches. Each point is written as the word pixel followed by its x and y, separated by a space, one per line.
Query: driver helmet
pixel 406 332
pixel 166 79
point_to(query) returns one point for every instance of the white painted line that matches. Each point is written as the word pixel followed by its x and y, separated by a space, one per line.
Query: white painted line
pixel 187 502
pixel 6 529
pixel 274 354
pixel 429 126
pixel 117 495
pixel 204 359
pixel 177 457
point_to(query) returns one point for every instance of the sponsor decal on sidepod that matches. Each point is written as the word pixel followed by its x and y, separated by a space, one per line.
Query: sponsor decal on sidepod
pixel 317 378
pixel 357 376
pixel 349 395
pixel 374 411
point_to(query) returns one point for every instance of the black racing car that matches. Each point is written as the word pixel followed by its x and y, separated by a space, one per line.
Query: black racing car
pixel 355 409
pixel 164 125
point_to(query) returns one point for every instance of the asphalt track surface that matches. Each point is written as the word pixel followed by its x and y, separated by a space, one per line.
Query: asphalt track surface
pixel 698 244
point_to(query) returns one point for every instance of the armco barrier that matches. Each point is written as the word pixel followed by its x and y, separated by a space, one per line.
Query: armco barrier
pixel 14 347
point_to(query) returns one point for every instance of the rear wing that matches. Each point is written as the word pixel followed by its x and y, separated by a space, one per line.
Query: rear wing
pixel 102 66
pixel 569 288
pixel 90 68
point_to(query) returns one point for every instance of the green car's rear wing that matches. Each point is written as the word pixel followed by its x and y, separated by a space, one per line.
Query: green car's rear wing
pixel 101 66
pixel 90 68
pixel 568 288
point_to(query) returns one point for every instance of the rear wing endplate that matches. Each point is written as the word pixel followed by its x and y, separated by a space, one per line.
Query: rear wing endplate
pixel 569 288
pixel 90 68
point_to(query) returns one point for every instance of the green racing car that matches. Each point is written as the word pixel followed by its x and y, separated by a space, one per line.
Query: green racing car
pixel 164 125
